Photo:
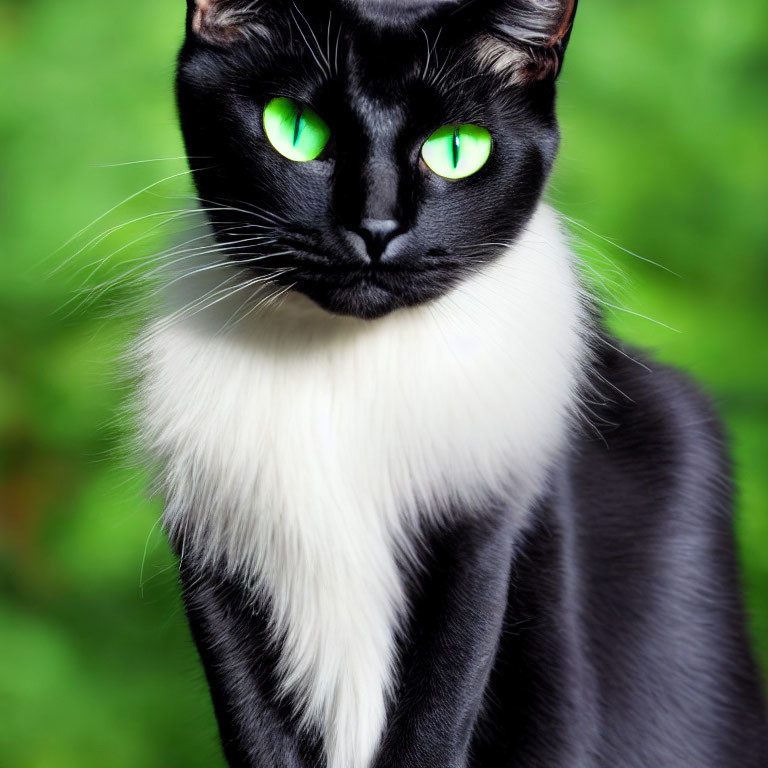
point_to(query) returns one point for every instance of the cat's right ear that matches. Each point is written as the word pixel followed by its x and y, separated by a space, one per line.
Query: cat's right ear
pixel 526 40
pixel 221 22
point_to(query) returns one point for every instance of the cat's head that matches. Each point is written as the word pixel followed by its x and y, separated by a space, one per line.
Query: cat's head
pixel 370 153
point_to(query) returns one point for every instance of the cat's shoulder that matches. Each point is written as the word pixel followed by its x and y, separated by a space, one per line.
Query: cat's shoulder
pixel 630 384
pixel 654 434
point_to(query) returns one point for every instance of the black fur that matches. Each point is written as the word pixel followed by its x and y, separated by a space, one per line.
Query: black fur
pixel 608 634
pixel 392 89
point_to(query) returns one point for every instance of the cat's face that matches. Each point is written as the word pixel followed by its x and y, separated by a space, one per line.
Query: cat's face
pixel 307 122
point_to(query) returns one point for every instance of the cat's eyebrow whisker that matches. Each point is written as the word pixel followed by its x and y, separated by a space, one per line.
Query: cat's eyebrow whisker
pixel 336 50
pixel 429 54
pixel 442 74
pixel 327 67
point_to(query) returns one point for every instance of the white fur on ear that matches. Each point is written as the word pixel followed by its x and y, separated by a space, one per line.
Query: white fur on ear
pixel 226 21
pixel 528 40
pixel 502 59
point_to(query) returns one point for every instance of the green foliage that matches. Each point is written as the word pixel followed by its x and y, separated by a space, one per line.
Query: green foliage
pixel 664 115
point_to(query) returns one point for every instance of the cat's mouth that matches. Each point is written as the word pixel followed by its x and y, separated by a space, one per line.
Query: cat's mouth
pixel 371 292
pixel 368 291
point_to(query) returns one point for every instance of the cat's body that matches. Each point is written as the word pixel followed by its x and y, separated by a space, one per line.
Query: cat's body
pixel 622 642
pixel 427 513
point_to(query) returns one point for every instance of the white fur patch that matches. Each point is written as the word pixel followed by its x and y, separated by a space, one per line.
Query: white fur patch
pixel 225 22
pixel 502 58
pixel 514 50
pixel 299 447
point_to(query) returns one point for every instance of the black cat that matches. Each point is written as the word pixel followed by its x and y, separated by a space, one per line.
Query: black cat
pixel 428 513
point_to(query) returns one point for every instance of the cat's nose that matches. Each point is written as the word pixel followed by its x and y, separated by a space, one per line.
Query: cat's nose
pixel 377 234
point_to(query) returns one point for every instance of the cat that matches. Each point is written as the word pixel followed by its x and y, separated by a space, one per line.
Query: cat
pixel 427 511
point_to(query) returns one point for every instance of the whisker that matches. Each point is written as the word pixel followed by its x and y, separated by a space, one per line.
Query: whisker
pixel 257 212
pixel 104 235
pixel 327 67
pixel 146 235
pixel 336 51
pixel 120 204
pixel 152 160
pixel 200 251
pixel 153 257
pixel 228 293
pixel 87 297
pixel 636 314
pixel 616 245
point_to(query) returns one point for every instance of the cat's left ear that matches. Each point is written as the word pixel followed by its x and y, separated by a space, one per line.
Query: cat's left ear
pixel 527 39
pixel 223 21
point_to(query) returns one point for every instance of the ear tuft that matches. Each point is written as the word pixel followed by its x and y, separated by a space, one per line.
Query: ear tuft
pixel 225 21
pixel 527 40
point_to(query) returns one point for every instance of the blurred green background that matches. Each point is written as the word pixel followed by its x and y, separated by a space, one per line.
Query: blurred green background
pixel 665 119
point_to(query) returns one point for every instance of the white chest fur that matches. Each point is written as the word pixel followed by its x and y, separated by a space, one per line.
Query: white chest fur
pixel 297 448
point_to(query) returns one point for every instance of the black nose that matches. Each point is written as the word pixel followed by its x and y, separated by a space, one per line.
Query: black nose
pixel 377 233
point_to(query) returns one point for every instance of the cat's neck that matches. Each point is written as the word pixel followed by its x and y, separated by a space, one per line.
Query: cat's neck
pixel 475 388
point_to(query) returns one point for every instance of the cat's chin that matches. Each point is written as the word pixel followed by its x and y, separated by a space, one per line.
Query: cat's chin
pixel 364 301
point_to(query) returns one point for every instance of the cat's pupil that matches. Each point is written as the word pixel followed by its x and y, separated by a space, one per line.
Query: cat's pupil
pixel 298 126
pixel 456 146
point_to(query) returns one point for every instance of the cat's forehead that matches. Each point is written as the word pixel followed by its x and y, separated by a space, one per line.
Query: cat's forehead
pixel 379 76
pixel 516 42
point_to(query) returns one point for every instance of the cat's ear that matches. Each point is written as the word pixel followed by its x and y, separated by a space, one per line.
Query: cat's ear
pixel 224 21
pixel 526 39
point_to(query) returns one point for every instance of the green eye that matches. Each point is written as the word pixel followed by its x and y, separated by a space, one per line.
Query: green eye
pixel 457 151
pixel 294 130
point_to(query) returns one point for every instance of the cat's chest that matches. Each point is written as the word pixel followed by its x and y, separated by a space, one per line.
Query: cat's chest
pixel 303 451
pixel 389 422
pixel 309 470
pixel 356 422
